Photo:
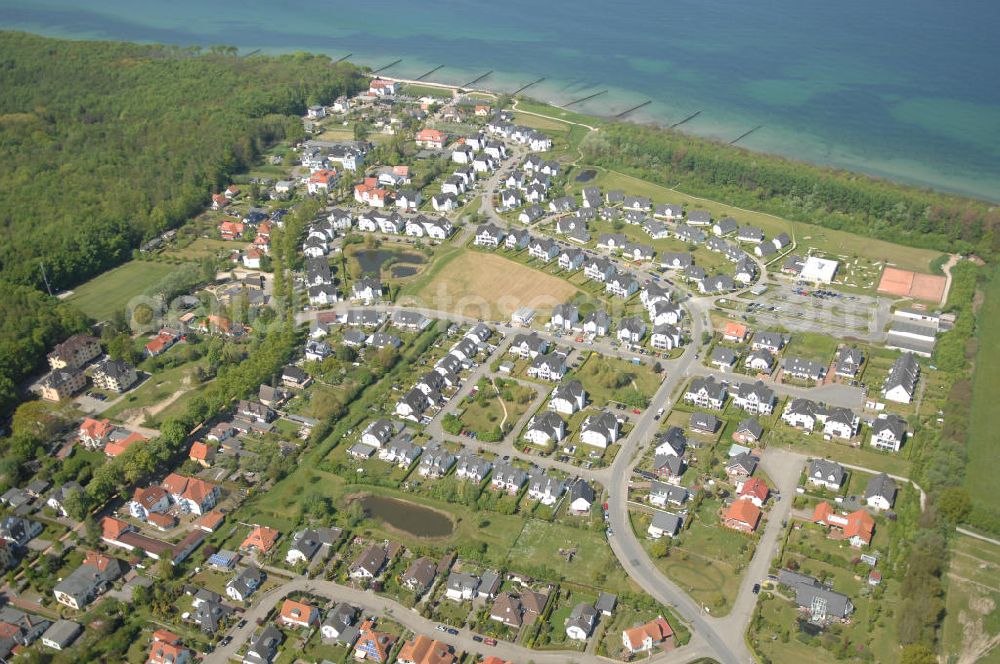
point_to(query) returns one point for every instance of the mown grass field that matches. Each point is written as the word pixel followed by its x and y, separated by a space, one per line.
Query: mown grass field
pixel 984 422
pixel 101 296
pixel 484 285
pixel 973 593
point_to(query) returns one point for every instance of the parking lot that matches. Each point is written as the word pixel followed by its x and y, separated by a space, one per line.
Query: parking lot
pixel 808 309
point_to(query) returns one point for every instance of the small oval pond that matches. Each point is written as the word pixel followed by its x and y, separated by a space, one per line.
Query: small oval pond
pixel 371 260
pixel 411 518
pixel 403 270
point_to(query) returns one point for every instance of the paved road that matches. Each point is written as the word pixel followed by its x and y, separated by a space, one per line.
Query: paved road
pixel 381 606
pixel 834 394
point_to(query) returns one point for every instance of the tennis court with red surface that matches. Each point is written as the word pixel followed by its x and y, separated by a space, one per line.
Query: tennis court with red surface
pixel 904 283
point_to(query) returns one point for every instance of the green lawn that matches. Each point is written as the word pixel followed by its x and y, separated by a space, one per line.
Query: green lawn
pixel 200 248
pixel 706 560
pixel 158 388
pixel 481 416
pixel 101 296
pixel 607 379
pixel 782 435
pixel 593 565
pixel 811 346
pixel 984 422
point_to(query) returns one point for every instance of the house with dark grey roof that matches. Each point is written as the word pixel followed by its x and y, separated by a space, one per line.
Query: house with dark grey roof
pixel 723 358
pixel 756 398
pixel 826 473
pixel 568 397
pixel 748 431
pixel 704 423
pixel 599 430
pixel 581 497
pixel 263 648
pixel 741 466
pixel 671 442
pixel 507 477
pixel 545 488
pixel 676 260
pixel 848 361
pixel 819 601
pixel 311 541
pixel 771 341
pixel 664 524
pixel 803 369
pixel 888 432
pixel 699 218
pixel 901 383
pixel 419 576
pixel 597 322
pixel 472 467
pixel 436 461
pixel 581 622
pixel 339 620
pixel 706 393
pixel 544 429
pixel 669 466
pixel 880 492
pixel 662 494
pixel 631 329
pixel 759 360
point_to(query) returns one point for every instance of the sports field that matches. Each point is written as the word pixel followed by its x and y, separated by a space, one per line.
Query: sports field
pixel 101 296
pixel 905 283
pixel 484 285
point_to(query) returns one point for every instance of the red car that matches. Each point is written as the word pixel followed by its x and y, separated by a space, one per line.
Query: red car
pixel 579 340
pixel 490 641
pixel 636 411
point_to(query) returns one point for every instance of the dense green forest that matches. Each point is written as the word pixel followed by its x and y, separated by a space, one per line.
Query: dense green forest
pixel 828 197
pixel 107 144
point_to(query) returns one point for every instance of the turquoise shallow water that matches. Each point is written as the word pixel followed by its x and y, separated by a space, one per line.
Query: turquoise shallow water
pixel 906 89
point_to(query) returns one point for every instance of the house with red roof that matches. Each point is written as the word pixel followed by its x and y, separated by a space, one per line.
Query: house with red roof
pixel 261 539
pixel 734 331
pixel 857 527
pixel 645 637
pixel 298 614
pixel 162 652
pixel 219 201
pixel 210 521
pixel 195 496
pixel 147 501
pixel 231 230
pixel 372 645
pixel 425 650
pixel 202 452
pixel 232 191
pixel 755 490
pixel 431 138
pixel 95 433
pixel 251 259
pixel 119 447
pixel 742 515
pixel 322 180
pixel 380 87
pixel 160 343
